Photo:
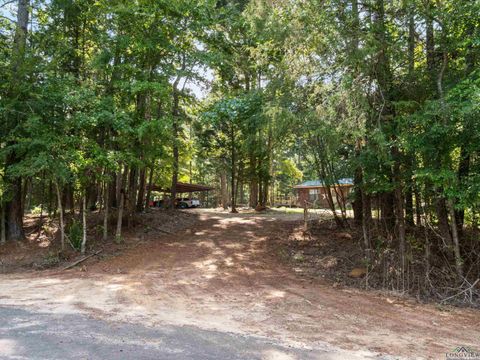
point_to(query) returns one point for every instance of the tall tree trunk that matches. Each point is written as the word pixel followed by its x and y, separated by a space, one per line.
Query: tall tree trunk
pixel 118 232
pixel 383 74
pixel 456 241
pixel 119 183
pixel 20 40
pixel 3 234
pixel 239 177
pixel 253 196
pixel 463 171
pixel 175 128
pixel 149 189
pixel 121 202
pixel 430 40
pixel 131 197
pixel 242 193
pixel 92 195
pixel 366 223
pixel 442 217
pixel 141 190
pixel 60 212
pixel 409 206
pixel 411 41
pixel 418 206
pixel 14 213
pixel 84 222
pixel 357 196
pixel 112 191
pixel 233 164
pixel 68 200
pixel 106 211
pixel 400 224
pixel 223 189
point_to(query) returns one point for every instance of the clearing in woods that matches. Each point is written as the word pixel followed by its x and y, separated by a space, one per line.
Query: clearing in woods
pixel 225 274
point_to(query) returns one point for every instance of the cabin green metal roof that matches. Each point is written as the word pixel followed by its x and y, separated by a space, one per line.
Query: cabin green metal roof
pixel 321 183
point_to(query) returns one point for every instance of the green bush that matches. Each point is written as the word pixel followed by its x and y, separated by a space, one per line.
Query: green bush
pixel 50 260
pixel 75 233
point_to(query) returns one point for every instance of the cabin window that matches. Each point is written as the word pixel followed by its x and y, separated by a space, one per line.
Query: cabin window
pixel 312 194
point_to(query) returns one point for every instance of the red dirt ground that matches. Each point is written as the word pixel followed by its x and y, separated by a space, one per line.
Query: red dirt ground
pixel 226 273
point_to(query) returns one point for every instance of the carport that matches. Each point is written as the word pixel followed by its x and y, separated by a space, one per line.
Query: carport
pixel 183 188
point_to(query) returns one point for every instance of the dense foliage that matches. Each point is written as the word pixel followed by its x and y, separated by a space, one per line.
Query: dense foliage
pixel 100 99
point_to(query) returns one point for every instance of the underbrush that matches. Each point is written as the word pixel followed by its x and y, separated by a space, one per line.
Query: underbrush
pixel 41 248
pixel 429 272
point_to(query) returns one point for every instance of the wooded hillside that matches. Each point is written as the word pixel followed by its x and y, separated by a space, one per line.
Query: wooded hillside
pixel 101 98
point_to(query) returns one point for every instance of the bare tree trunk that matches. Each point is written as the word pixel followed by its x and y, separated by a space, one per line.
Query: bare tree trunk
pixel 149 189
pixel 223 189
pixel 366 223
pixel 242 193
pixel 239 176
pixel 409 206
pixel 112 191
pixel 106 212
pixel 463 171
pixel 14 213
pixel 400 220
pixel 357 201
pixel 131 197
pixel 119 183
pixel 253 196
pixel 118 233
pixel 418 206
pixel 456 242
pixel 51 199
pixel 176 130
pixel 430 40
pixel 121 204
pixel 60 212
pixel 20 39
pixel 141 190
pixel 3 236
pixel 233 164
pixel 84 221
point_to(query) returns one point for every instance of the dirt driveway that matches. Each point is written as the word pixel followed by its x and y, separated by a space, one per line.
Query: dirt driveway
pixel 225 274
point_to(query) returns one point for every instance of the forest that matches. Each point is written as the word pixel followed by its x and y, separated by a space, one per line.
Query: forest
pixel 101 99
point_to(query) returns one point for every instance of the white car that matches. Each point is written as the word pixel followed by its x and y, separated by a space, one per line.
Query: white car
pixel 185 203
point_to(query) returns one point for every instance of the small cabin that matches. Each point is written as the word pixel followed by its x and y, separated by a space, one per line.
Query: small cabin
pixel 315 192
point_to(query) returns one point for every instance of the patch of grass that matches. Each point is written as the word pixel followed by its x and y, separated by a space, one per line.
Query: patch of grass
pixel 50 260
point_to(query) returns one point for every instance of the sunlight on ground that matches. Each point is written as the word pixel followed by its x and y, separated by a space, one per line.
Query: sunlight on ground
pixel 206 244
pixel 50 281
pixel 228 261
pixel 208 266
pixel 233 246
pixel 275 294
pixel 115 287
pixel 277 355
pixel 8 347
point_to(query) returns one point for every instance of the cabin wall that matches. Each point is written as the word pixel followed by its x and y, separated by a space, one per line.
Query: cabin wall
pixel 318 196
